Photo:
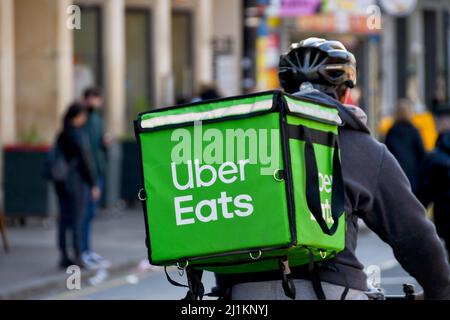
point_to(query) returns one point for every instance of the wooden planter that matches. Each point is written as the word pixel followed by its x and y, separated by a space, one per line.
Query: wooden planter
pixel 27 193
pixel 130 177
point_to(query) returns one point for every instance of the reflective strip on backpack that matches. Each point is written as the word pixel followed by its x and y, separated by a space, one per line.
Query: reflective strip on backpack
pixel 304 108
pixel 207 115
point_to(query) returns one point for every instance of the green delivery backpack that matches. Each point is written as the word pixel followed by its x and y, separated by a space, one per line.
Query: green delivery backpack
pixel 242 184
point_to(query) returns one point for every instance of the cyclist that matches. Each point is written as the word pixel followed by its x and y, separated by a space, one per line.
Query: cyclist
pixel 434 185
pixel 377 191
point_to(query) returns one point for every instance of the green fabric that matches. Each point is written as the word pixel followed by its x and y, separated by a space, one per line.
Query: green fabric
pixel 319 112
pixel 207 106
pixel 312 105
pixel 234 231
pixel 308 230
pixel 226 232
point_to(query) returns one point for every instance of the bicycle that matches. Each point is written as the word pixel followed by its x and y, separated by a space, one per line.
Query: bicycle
pixel 408 289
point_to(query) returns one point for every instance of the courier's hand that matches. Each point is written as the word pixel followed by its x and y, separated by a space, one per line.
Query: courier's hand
pixel 95 193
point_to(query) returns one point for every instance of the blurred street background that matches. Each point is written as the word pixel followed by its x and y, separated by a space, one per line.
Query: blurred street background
pixel 30 272
pixel 145 54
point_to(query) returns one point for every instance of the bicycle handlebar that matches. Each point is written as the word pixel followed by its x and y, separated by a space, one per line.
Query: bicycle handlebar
pixel 408 289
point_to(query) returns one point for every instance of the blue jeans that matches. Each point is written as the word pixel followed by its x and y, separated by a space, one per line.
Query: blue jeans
pixel 89 214
pixel 72 202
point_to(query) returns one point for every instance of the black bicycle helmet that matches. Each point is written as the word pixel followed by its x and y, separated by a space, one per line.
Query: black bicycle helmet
pixel 325 64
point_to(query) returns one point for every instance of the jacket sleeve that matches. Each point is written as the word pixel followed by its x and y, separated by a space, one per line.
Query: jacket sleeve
pixel 87 162
pixel 398 218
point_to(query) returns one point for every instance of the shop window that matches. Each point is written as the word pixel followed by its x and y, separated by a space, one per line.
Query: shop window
pixel 87 50
pixel 402 56
pixel 138 62
pixel 182 62
pixel 430 45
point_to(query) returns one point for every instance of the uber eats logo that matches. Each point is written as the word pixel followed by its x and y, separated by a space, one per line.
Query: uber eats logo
pixel 207 210
pixel 215 158
pixel 219 161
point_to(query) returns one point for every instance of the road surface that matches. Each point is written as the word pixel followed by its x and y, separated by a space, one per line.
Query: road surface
pixel 372 252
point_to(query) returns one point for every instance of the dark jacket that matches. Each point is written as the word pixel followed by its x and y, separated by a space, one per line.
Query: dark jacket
pixel 94 131
pixel 75 147
pixel 434 184
pixel 404 142
pixel 378 192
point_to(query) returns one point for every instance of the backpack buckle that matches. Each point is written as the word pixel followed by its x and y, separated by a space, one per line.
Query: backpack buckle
pixel 181 269
pixel 258 255
pixel 142 195
pixel 278 175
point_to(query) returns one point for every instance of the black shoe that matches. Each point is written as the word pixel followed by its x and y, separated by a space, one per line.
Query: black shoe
pixel 65 263
pixel 79 262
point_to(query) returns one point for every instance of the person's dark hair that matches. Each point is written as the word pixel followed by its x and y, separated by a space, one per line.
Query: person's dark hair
pixel 441 117
pixel 442 110
pixel 72 112
pixel 92 92
pixel 403 110
pixel 209 92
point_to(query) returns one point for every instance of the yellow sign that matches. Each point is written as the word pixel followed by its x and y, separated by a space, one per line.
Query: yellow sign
pixel 422 121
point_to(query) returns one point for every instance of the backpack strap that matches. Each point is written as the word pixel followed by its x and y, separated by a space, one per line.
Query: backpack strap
pixel 286 277
pixel 312 176
pixel 173 282
pixel 312 181
pixel 196 289
pixel 315 277
pixel 347 287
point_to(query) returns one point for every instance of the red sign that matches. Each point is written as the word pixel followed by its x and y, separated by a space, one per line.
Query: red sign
pixel 354 24
pixel 293 8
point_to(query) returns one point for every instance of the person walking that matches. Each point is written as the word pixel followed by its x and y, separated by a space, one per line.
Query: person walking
pixel 98 143
pixel 404 141
pixel 74 146
pixel 207 92
pixel 434 183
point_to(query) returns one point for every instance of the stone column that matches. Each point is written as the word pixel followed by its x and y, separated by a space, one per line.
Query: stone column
pixel 203 35
pixel 7 73
pixel 163 53
pixel 64 56
pixel 7 82
pixel 43 67
pixel 114 54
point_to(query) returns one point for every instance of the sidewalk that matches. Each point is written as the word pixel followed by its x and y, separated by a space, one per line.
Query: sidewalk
pixel 30 269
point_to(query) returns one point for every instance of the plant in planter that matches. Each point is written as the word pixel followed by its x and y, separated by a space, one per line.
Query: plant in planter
pixel 26 192
pixel 130 168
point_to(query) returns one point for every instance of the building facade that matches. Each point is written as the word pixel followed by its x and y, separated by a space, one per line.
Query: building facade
pixel 402 46
pixel 151 53
pixel 415 54
pixel 142 53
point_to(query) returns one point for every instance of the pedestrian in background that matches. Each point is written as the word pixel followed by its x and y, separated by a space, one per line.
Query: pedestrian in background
pixel 434 187
pixel 405 143
pixel 98 143
pixel 74 145
pixel 207 92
